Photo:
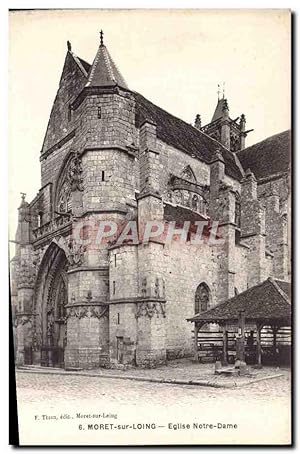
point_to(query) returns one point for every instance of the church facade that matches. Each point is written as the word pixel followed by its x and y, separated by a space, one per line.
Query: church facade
pixel 110 155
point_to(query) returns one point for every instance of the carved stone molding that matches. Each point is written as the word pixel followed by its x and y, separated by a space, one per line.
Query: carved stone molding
pixel 23 319
pixel 74 175
pixel 26 274
pixel 90 311
pixel 151 309
pixel 188 194
pixel 74 252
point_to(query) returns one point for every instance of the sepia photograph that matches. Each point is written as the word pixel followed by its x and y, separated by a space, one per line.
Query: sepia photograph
pixel 150 223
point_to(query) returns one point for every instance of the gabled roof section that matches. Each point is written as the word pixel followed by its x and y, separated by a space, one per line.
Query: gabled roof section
pixel 72 81
pixel 267 302
pixel 85 64
pixel 269 157
pixel 104 72
pixel 181 135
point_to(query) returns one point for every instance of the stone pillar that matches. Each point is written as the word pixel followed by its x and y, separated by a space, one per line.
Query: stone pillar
pixel 217 173
pixel 25 281
pixel 225 126
pixel 277 235
pixel 224 213
pixel 87 316
pixel 150 310
pixel 25 322
pixel 243 135
pixel 87 335
pixel 151 328
pixel 149 160
pixel 253 229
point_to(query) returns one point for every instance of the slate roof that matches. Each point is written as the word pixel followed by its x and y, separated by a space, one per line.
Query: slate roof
pixel 269 157
pixel 219 110
pixel 170 129
pixel 266 158
pixel 104 72
pixel 183 136
pixel 268 301
pixel 85 64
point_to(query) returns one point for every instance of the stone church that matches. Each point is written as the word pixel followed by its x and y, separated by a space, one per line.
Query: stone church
pixel 110 154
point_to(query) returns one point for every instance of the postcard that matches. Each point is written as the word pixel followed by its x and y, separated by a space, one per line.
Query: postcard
pixel 150 226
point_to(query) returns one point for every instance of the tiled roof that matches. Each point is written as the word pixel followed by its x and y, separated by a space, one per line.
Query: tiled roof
pixel 104 72
pixel 285 287
pixel 183 136
pixel 270 157
pixel 268 301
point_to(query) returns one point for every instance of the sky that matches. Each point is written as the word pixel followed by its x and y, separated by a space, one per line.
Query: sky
pixel 175 58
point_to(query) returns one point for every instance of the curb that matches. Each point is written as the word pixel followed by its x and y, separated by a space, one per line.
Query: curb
pixel 151 380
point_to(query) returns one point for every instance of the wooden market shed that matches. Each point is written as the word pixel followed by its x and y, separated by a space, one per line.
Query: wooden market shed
pixel 265 304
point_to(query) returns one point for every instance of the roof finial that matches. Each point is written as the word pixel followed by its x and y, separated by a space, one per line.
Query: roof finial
pixel 101 38
pixel 69 46
pixel 218 92
pixel 23 195
pixel 223 90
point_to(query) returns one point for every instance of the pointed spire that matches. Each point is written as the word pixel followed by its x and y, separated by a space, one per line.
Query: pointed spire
pixel 222 105
pixel 104 72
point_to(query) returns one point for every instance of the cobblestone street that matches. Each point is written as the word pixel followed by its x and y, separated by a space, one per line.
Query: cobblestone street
pixel 264 407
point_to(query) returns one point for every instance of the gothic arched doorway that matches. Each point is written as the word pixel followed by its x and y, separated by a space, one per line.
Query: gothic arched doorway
pixel 51 301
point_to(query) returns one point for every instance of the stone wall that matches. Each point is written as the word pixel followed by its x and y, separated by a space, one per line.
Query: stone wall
pixel 128 305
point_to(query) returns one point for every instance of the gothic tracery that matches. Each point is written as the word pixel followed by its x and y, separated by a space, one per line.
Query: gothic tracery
pixel 202 298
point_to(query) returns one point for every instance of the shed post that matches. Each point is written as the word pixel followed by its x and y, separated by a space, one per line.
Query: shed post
pixel 196 330
pixel 258 341
pixel 225 344
pixel 274 329
pixel 241 338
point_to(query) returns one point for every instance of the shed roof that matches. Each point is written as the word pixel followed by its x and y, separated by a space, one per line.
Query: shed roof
pixel 268 302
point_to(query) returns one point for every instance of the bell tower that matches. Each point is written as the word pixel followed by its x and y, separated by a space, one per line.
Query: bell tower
pixel 231 133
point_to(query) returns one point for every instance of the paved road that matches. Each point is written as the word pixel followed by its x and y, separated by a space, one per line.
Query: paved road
pixel 261 411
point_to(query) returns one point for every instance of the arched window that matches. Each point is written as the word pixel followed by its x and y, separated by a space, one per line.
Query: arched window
pixel 40 218
pixel 195 205
pixel 202 298
pixel 69 180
